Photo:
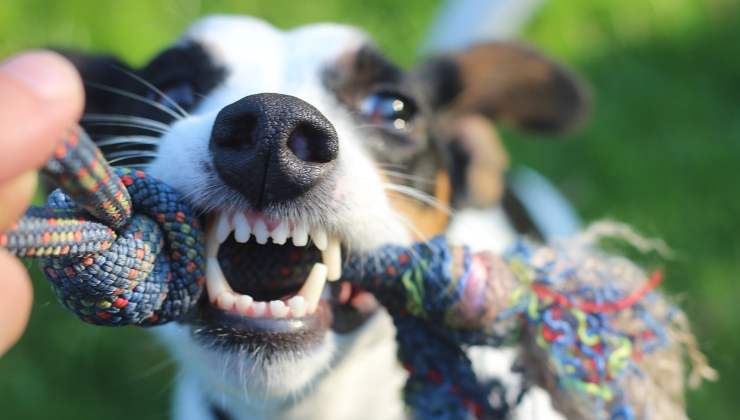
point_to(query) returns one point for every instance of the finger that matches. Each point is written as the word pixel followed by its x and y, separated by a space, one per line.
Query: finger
pixel 41 97
pixel 16 297
pixel 15 194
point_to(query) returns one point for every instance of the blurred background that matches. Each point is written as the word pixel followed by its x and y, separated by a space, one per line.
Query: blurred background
pixel 662 153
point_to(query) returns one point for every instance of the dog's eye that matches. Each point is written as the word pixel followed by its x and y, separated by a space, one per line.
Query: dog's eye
pixel 388 108
pixel 180 93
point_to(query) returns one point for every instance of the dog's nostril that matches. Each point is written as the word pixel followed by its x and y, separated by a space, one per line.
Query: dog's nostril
pixel 236 132
pixel 311 144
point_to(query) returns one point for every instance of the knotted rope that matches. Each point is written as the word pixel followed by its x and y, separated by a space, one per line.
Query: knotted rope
pixel 121 248
pixel 107 264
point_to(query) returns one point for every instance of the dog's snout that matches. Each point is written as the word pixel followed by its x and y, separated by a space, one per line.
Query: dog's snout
pixel 272 147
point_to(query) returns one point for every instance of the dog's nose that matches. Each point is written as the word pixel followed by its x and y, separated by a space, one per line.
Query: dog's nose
pixel 272 148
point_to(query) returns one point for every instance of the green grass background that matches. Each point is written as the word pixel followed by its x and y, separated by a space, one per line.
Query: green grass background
pixel 662 153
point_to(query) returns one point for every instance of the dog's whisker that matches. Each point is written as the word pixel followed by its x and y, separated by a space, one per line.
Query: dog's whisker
pixel 419 196
pixel 117 158
pixel 175 105
pixel 135 97
pixel 125 125
pixel 128 141
pixel 128 119
pixel 404 176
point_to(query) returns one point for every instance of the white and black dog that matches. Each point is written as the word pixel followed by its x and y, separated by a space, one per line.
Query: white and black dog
pixel 298 147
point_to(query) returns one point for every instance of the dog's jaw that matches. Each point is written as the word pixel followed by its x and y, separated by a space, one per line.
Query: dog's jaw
pixel 259 58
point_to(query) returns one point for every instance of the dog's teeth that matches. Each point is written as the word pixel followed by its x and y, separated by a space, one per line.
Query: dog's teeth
pixel 300 234
pixel 311 290
pixel 223 227
pixel 319 238
pixel 280 233
pixel 215 281
pixel 243 303
pixel 260 232
pixel 259 309
pixel 226 301
pixel 278 309
pixel 242 230
pixel 297 306
pixel 332 258
pixel 212 241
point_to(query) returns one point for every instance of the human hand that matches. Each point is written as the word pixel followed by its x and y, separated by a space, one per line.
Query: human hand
pixel 41 96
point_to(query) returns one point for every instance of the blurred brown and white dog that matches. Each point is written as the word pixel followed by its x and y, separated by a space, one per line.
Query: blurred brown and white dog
pixel 298 147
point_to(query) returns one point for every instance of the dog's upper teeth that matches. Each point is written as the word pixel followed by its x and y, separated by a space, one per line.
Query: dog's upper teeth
pixel 260 232
pixel 223 227
pixel 242 231
pixel 300 234
pixel 332 257
pixel 319 238
pixel 280 233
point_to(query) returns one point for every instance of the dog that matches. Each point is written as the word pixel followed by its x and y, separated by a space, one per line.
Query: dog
pixel 299 147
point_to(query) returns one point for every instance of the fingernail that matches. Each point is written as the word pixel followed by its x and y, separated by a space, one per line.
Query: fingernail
pixel 45 73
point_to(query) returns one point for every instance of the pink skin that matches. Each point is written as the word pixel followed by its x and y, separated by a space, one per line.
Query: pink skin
pixel 41 96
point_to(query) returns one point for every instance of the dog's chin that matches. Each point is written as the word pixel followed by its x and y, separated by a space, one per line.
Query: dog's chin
pixel 269 318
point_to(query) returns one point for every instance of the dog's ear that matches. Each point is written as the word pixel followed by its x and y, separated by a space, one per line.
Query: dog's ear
pixel 470 90
pixel 506 82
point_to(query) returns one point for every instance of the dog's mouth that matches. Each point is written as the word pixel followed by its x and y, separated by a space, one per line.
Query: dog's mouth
pixel 267 275
pixel 267 268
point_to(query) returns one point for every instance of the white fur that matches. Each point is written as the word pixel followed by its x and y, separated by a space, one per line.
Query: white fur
pixel 258 59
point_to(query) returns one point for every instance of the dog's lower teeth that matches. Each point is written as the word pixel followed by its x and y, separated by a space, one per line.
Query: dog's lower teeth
pixel 243 303
pixel 278 309
pixel 332 258
pixel 226 301
pixel 297 306
pixel 259 309
pixel 311 290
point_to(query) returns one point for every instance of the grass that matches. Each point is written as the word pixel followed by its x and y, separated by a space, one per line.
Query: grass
pixel 661 153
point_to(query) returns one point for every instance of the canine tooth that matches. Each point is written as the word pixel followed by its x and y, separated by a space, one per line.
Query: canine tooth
pixel 223 227
pixel 241 228
pixel 216 283
pixel 297 306
pixel 243 303
pixel 332 258
pixel 280 233
pixel 260 232
pixel 300 234
pixel 212 241
pixel 278 309
pixel 259 309
pixel 319 238
pixel 226 301
pixel 311 290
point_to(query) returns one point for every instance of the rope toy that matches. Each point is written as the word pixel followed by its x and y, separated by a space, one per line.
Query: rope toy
pixel 121 248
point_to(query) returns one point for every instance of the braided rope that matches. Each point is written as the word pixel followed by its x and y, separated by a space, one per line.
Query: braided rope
pixel 106 264
pixel 121 248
